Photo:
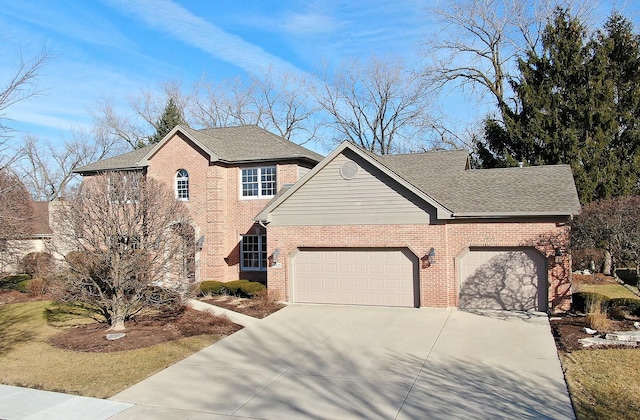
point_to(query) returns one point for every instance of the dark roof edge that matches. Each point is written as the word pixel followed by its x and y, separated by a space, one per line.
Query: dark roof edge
pixel 506 215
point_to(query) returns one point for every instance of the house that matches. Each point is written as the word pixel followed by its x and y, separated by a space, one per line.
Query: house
pixel 413 230
pixel 225 176
pixel 422 230
pixel 37 235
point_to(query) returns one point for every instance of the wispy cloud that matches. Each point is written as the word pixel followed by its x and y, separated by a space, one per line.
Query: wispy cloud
pixel 309 23
pixel 171 18
pixel 84 25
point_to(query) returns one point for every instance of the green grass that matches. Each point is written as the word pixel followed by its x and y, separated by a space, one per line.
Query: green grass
pixel 604 383
pixel 27 359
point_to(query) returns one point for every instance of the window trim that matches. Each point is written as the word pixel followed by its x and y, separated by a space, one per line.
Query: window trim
pixel 262 251
pixel 181 178
pixel 260 194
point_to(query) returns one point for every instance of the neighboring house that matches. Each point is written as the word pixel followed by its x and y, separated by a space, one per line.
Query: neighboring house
pixel 39 234
pixel 422 230
pixel 225 176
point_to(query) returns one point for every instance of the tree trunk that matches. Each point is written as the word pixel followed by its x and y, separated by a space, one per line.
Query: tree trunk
pixel 117 318
pixel 606 269
pixel 117 325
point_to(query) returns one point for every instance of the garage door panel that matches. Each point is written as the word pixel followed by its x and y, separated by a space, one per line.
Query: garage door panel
pixel 503 279
pixel 355 276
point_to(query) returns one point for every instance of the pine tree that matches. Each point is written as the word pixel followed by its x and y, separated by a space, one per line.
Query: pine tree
pixel 171 116
pixel 577 103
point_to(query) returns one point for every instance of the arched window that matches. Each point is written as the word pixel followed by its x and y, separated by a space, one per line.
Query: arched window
pixel 182 185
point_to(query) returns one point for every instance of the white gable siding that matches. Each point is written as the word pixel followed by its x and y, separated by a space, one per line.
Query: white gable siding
pixel 370 197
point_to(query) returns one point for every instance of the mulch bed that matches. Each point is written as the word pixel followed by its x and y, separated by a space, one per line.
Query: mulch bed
pixel 567 329
pixel 257 307
pixel 144 331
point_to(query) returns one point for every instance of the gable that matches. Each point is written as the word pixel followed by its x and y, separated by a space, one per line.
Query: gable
pixel 356 194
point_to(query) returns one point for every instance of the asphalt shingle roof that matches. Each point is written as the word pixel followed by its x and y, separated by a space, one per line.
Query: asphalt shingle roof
pixel 247 143
pixel 124 161
pixel 548 189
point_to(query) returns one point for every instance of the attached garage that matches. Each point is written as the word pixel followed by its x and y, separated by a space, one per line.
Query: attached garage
pixel 514 279
pixel 356 276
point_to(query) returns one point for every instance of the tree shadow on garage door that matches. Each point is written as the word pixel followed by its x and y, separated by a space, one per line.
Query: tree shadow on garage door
pixel 508 281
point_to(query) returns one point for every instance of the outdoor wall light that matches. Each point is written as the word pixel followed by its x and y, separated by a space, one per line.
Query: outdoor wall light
pixel 428 258
pixel 275 255
pixel 557 253
pixel 431 256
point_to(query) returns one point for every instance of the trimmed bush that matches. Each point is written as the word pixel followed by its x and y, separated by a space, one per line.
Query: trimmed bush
pixel 38 264
pixel 23 286
pixel 11 282
pixel 233 287
pixel 212 287
pixel 251 289
pixel 580 300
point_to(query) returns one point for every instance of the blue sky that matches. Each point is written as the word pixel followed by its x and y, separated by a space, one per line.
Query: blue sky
pixel 116 48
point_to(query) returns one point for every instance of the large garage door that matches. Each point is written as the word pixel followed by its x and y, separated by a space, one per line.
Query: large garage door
pixel 384 277
pixel 514 279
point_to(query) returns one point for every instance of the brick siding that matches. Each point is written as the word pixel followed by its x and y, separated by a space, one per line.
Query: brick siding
pixel 439 283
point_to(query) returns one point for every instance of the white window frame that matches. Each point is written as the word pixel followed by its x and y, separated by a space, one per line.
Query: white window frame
pixel 181 178
pixel 260 174
pixel 261 251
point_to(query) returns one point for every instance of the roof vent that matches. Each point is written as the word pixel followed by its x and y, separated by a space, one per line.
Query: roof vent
pixel 520 164
pixel 349 170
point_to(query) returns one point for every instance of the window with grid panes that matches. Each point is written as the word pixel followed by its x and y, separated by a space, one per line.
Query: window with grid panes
pixel 254 252
pixel 182 185
pixel 259 182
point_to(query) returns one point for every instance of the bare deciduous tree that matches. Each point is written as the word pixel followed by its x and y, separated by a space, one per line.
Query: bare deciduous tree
pixel 478 42
pixel 610 225
pixel 141 123
pixel 15 216
pixel 21 86
pixel 46 168
pixel 278 103
pixel 377 104
pixel 128 235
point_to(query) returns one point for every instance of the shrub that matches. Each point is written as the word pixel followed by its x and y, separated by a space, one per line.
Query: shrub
pixel 581 300
pixel 11 282
pixel 37 264
pixel 251 289
pixel 36 287
pixel 211 287
pixel 233 287
pixel 23 286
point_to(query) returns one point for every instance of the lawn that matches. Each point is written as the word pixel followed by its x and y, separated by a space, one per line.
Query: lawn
pixel 604 383
pixel 611 290
pixel 28 359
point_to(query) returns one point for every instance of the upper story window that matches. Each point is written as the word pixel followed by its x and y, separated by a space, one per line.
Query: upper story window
pixel 259 182
pixel 182 185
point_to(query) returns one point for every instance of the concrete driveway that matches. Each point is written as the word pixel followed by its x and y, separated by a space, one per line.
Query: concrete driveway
pixel 309 361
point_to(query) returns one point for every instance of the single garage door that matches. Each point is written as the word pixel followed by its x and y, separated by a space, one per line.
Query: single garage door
pixel 513 279
pixel 382 277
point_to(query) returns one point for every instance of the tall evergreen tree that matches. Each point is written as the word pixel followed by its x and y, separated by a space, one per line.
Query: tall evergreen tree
pixel 577 103
pixel 171 116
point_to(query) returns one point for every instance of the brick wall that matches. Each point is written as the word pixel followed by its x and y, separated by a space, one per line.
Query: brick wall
pixel 439 283
pixel 218 212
